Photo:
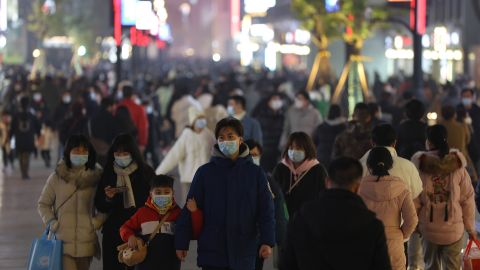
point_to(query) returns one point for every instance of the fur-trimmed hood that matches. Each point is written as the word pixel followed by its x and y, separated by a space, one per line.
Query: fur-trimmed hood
pixel 83 178
pixel 431 163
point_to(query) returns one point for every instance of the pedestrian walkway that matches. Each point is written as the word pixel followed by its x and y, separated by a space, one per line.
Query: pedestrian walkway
pixel 20 222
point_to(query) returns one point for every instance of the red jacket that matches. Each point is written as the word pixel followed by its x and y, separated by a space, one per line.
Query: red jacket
pixel 139 118
pixel 146 219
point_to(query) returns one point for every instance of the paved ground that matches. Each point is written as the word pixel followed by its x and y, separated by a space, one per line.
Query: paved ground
pixel 20 222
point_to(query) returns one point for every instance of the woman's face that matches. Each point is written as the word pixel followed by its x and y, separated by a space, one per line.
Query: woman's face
pixel 121 153
pixel 79 150
pixel 294 146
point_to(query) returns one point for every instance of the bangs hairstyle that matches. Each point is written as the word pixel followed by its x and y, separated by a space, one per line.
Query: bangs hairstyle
pixel 302 140
pixel 162 180
pixel 77 141
pixel 230 122
pixel 125 143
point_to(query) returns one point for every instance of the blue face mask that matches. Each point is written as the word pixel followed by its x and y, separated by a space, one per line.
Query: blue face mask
pixel 201 123
pixel 467 101
pixel 78 160
pixel 162 201
pixel 228 148
pixel 256 160
pixel 296 156
pixel 123 161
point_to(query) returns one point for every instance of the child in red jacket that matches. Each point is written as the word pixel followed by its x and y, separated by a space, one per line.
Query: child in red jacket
pixel 161 250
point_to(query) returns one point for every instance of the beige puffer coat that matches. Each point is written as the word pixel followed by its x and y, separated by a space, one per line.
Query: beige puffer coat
pixel 76 224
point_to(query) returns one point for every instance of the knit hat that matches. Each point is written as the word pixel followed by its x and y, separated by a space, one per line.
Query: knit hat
pixel 194 114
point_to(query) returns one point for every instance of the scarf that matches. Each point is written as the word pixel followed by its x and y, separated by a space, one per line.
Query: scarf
pixel 123 179
pixel 80 177
pixel 297 174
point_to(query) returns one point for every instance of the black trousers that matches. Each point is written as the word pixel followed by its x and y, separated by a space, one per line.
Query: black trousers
pixel 24 158
pixel 111 239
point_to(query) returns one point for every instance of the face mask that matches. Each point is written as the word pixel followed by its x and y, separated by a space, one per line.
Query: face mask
pixel 296 156
pixel 256 160
pixel 298 103
pixel 228 148
pixel 149 110
pixel 93 96
pixel 123 161
pixel 467 101
pixel 37 97
pixel 276 104
pixel 137 101
pixel 66 99
pixel 78 160
pixel 230 110
pixel 162 201
pixel 119 95
pixel 201 123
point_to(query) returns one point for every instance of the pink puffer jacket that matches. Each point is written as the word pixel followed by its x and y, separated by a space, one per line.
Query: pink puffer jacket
pixel 446 207
pixel 390 199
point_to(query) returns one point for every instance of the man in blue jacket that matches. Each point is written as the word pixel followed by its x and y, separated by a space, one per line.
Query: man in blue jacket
pixel 237 206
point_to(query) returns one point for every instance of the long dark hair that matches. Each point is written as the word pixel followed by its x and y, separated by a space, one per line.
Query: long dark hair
pixel 124 142
pixel 437 135
pixel 124 122
pixel 379 161
pixel 76 141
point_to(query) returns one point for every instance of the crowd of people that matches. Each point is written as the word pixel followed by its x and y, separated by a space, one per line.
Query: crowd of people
pixel 262 168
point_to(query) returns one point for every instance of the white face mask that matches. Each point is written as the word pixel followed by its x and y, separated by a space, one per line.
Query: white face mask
pixel 230 110
pixel 298 103
pixel 276 104
pixel 256 160
pixel 149 109
pixel 67 99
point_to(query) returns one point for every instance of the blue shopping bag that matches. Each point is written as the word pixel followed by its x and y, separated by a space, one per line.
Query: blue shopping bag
pixel 46 253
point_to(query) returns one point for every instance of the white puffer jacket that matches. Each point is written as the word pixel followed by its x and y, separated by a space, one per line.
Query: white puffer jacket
pixel 75 224
pixel 189 152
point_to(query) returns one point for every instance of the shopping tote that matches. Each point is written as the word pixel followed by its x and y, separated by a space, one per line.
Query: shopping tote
pixel 46 252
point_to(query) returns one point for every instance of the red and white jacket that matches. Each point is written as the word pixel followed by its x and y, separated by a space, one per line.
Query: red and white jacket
pixel 146 219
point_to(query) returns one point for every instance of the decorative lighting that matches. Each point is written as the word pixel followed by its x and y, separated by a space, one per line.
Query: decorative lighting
pixel 36 53
pixel 216 57
pixel 82 51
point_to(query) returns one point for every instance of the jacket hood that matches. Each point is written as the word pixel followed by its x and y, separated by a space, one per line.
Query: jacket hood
pixel 82 178
pixel 386 189
pixel 431 163
pixel 335 212
pixel 219 157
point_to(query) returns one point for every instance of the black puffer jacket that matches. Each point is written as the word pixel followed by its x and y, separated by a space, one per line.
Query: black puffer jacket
pixel 324 138
pixel 336 232
pixel 272 128
pixel 411 138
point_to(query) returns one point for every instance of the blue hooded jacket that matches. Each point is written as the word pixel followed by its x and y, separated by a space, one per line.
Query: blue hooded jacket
pixel 238 212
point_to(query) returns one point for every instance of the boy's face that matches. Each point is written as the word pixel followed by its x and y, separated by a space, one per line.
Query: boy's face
pixel 161 191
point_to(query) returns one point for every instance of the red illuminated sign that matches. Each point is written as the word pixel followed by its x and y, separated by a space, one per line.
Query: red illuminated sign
pixel 420 6
pixel 117 22
pixel 235 17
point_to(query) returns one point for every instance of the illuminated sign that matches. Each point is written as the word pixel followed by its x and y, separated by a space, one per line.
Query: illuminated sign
pixel 234 18
pixel 128 10
pixel 258 6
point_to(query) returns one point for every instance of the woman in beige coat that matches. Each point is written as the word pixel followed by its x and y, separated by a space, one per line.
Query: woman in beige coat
pixel 66 203
pixel 390 199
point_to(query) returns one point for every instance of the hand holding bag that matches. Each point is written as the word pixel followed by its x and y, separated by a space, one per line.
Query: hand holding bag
pixel 132 257
pixel 46 252
pixel 471 257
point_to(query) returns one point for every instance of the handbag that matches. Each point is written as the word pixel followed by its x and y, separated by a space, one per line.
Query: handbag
pixel 471 257
pixel 46 252
pixel 132 257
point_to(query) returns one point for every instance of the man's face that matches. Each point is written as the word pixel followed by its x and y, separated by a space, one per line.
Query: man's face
pixel 467 94
pixel 236 107
pixel 229 134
